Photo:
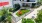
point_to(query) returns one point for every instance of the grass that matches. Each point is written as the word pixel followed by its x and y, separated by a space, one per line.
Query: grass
pixel 23 12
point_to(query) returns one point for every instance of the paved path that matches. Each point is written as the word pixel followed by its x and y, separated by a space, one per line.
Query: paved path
pixel 32 14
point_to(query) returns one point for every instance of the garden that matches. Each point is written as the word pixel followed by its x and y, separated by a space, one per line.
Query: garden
pixel 22 12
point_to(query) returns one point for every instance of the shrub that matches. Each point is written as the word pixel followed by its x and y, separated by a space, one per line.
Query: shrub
pixel 16 7
pixel 40 1
pixel 24 20
pixel 39 17
pixel 21 12
pixel 4 13
pixel 11 9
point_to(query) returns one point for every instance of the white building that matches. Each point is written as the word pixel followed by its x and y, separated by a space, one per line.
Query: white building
pixel 21 2
pixel 24 2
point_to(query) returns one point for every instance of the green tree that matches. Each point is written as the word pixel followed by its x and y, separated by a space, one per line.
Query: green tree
pixel 4 13
pixel 17 6
pixel 39 17
pixel 40 1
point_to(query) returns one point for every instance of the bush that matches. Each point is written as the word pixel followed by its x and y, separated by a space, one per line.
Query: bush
pixel 11 9
pixel 40 2
pixel 39 17
pixel 17 6
pixel 24 20
pixel 9 19
pixel 4 13
pixel 21 12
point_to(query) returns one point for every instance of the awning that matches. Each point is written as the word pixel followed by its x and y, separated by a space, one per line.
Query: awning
pixel 4 3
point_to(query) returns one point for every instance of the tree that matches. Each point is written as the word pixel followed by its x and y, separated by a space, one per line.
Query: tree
pixel 39 17
pixel 40 1
pixel 4 13
pixel 17 6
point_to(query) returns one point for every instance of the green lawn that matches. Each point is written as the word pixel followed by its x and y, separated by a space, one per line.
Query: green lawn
pixel 23 12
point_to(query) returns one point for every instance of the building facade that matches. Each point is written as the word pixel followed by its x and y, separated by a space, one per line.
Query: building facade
pixel 24 2
pixel 21 2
